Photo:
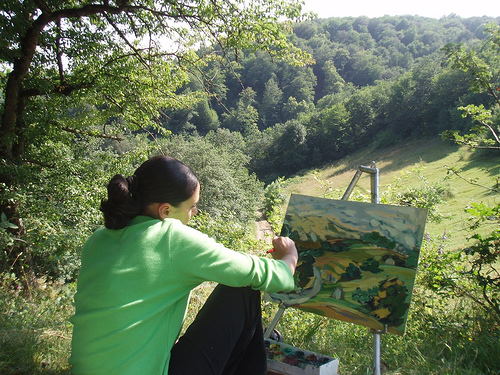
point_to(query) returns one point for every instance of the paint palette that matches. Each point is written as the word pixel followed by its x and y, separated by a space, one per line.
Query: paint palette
pixel 289 360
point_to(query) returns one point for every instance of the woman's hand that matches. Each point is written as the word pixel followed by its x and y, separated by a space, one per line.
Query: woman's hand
pixel 284 249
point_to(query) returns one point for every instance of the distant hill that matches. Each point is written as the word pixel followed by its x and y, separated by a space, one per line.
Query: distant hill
pixel 348 52
pixel 380 79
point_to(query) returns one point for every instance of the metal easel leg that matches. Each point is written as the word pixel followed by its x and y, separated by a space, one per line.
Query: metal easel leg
pixel 373 171
pixel 274 322
pixel 376 352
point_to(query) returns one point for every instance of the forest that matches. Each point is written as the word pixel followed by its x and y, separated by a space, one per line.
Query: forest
pixel 382 80
pixel 248 94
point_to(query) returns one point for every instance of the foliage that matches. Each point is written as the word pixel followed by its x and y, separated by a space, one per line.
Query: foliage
pixel 244 117
pixel 380 79
pixel 484 67
pixel 228 190
pixel 77 78
pixel 85 89
pixel 74 54
pixel 58 196
pixel 426 197
pixel 274 200
pixel 470 272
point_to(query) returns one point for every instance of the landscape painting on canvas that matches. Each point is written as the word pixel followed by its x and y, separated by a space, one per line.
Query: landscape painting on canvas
pixel 357 261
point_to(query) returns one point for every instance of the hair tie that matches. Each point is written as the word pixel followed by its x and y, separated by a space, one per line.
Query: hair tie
pixel 132 185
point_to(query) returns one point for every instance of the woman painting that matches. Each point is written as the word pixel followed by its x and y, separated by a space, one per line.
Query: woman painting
pixel 138 271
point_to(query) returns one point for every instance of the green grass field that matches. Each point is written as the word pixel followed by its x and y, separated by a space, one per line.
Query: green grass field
pixel 445 335
pixel 402 165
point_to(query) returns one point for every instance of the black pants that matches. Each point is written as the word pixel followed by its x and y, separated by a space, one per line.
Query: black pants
pixel 225 338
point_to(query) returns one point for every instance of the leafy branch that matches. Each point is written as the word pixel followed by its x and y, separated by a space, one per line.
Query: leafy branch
pixel 457 172
pixel 483 80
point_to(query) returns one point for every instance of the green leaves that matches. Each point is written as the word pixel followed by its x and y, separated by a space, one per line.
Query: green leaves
pixel 481 213
pixel 274 201
pixel 470 272
pixel 484 68
pixel 5 223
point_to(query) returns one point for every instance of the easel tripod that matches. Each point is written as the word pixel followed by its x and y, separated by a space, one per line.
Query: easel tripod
pixel 373 171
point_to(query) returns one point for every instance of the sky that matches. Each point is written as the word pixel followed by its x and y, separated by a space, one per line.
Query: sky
pixel 426 8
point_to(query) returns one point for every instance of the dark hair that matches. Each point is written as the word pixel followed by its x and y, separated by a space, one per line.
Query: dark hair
pixel 160 179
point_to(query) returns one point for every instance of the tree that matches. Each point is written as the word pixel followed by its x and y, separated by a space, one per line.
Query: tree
pixel 361 115
pixel 259 68
pixel 484 68
pixel 243 118
pixel 328 132
pixel 363 69
pixel 332 81
pixel 301 84
pixel 55 49
pixel 271 98
pixel 229 191
pixel 290 150
pixel 293 108
pixel 205 118
pixel 473 272
pixel 79 69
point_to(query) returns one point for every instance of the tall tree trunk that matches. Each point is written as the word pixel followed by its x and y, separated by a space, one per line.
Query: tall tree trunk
pixel 16 256
pixel 14 84
pixel 21 66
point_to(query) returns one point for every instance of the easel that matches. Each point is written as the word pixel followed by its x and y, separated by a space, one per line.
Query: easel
pixel 373 171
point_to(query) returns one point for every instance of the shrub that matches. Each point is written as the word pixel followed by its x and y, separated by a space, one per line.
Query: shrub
pixel 274 200
pixel 471 272
pixel 228 190
pixel 58 196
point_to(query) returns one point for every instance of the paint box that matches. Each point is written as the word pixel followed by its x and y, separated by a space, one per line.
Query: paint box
pixel 288 360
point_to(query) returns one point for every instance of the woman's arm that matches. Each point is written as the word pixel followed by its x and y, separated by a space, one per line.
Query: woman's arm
pixel 285 250
pixel 197 258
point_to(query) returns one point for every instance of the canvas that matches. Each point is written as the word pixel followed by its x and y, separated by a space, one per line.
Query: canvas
pixel 357 261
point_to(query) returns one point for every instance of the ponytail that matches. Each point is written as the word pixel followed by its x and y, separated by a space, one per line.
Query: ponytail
pixel 121 205
pixel 161 179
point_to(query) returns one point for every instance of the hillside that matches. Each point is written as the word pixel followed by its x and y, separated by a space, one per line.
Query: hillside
pixel 404 163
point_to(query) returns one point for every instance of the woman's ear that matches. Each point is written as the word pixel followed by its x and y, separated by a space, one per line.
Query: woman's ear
pixel 164 210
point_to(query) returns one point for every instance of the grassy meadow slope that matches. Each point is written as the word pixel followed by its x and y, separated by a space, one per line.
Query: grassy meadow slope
pixel 446 334
pixel 404 166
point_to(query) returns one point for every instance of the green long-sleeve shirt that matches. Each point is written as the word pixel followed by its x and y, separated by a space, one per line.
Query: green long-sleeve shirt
pixel 134 286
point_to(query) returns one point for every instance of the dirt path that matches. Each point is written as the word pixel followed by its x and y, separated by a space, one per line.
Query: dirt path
pixel 264 231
